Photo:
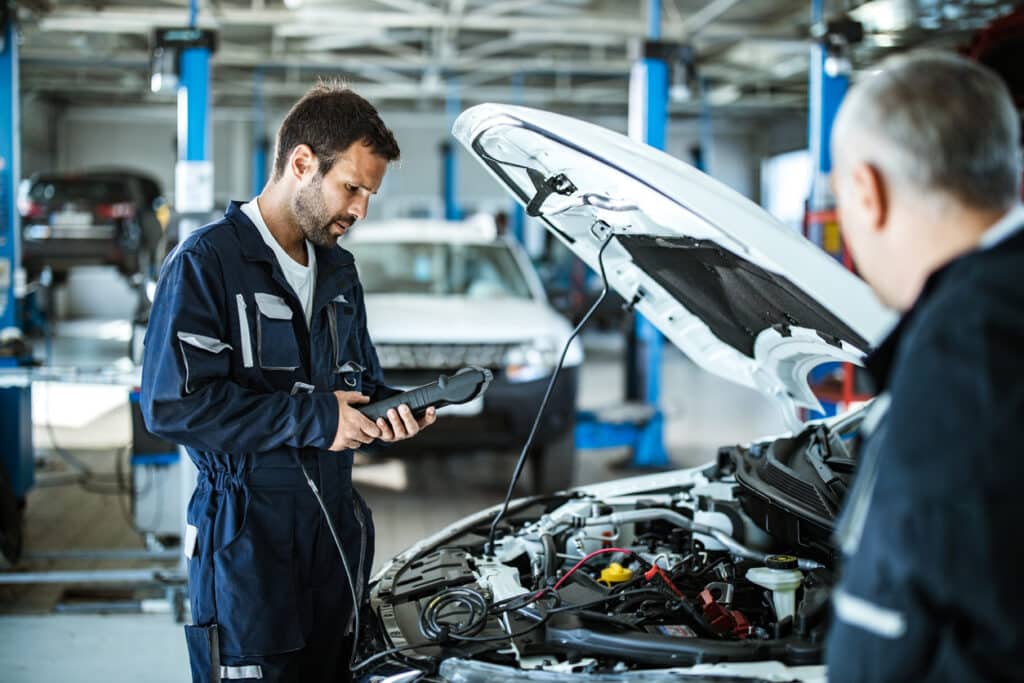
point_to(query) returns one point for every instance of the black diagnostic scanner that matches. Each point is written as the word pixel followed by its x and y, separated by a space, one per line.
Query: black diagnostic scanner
pixel 462 387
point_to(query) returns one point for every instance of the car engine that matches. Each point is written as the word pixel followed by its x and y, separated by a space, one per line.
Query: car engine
pixel 732 562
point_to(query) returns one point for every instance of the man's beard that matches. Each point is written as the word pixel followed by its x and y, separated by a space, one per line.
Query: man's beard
pixel 312 216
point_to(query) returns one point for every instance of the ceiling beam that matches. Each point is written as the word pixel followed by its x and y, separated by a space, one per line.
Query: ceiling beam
pixel 316 20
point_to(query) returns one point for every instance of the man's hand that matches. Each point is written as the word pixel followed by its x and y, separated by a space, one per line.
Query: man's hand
pixel 354 429
pixel 402 424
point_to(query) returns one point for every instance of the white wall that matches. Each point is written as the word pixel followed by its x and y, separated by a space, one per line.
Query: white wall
pixel 38 135
pixel 144 138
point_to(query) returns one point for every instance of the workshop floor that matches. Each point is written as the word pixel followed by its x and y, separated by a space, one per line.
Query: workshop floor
pixel 409 499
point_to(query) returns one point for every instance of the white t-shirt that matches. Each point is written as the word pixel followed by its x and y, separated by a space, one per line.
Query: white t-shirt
pixel 301 278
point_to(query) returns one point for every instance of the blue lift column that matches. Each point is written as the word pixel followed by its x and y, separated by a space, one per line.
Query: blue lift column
pixel 10 171
pixel 518 219
pixel 829 81
pixel 828 85
pixel 648 118
pixel 260 143
pixel 193 174
pixel 16 456
pixel 449 158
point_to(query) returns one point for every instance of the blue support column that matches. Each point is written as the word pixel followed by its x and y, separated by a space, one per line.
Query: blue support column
pixel 650 91
pixel 16 454
pixel 449 158
pixel 193 177
pixel 194 105
pixel 259 134
pixel 518 221
pixel 10 174
pixel 826 93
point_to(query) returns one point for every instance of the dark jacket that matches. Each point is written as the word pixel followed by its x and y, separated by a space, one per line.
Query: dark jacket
pixel 932 585
pixel 232 372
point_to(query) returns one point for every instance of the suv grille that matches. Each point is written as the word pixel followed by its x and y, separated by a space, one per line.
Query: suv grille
pixel 442 356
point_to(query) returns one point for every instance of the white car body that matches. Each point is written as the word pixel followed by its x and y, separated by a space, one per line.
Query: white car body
pixel 431 319
pixel 744 297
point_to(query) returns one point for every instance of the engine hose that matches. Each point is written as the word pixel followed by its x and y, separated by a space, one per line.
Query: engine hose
pixel 550 555
pixel 649 514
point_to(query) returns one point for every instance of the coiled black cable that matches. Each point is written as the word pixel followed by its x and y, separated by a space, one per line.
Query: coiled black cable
pixel 443 615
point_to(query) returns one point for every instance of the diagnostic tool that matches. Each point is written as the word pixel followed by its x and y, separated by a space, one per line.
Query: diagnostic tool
pixel 462 387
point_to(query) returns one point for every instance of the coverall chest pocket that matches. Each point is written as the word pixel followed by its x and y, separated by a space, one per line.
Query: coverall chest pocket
pixel 347 357
pixel 276 345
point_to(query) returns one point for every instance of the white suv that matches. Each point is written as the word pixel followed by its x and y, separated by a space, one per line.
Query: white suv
pixel 443 295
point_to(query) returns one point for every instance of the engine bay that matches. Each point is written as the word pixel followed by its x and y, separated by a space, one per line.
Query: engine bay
pixel 732 562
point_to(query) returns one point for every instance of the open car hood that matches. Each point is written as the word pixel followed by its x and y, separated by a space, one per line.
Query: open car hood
pixel 737 291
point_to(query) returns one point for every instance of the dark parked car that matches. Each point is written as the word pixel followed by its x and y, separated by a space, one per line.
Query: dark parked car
pixel 91 218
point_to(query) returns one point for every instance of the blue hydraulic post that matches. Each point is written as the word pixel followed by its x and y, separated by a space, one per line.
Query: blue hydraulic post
pixel 194 105
pixel 193 178
pixel 518 222
pixel 827 88
pixel 449 160
pixel 16 402
pixel 650 94
pixel 259 134
pixel 10 171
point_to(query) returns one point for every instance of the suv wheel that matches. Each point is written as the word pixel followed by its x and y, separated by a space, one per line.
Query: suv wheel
pixel 554 465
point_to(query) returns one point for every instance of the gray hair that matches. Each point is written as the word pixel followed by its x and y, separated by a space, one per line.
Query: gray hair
pixel 936 122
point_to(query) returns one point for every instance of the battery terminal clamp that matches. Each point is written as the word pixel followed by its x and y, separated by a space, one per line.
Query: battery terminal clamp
pixel 462 387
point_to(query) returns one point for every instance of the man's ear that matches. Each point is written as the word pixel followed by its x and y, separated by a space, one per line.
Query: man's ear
pixel 302 161
pixel 872 194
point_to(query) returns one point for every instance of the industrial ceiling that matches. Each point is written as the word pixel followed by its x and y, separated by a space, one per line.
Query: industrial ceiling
pixel 746 56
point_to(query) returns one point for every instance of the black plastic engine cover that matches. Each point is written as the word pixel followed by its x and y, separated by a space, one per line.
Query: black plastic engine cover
pixel 794 488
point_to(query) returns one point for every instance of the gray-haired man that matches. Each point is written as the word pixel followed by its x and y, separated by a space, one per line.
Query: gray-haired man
pixel 927 177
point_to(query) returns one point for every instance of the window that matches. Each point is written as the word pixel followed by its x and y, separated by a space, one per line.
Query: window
pixel 477 271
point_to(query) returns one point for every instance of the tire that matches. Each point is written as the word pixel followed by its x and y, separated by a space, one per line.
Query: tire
pixel 11 522
pixel 554 464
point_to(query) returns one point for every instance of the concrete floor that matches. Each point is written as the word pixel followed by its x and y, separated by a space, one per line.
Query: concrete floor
pixel 409 499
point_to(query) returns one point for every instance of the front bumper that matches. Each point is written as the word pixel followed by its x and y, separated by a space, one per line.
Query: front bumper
pixel 509 409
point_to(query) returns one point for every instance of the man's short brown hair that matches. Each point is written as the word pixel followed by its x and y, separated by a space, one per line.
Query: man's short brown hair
pixel 330 118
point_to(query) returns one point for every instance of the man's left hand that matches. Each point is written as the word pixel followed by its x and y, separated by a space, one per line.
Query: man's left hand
pixel 402 424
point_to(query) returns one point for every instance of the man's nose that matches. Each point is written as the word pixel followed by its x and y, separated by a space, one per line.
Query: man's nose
pixel 359 206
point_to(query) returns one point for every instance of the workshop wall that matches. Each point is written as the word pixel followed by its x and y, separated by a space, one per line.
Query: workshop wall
pixel 143 138
pixel 38 134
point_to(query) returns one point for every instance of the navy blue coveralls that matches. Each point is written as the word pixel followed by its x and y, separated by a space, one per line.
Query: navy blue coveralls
pixel 932 585
pixel 232 372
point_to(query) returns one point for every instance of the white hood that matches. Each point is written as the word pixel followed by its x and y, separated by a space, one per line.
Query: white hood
pixel 739 292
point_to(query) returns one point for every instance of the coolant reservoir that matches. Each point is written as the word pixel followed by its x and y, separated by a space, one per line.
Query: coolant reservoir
pixel 781 576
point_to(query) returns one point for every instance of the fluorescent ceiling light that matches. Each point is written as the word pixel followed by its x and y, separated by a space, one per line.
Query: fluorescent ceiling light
pixel 721 95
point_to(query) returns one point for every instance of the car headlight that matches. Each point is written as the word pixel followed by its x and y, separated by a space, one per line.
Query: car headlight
pixel 531 361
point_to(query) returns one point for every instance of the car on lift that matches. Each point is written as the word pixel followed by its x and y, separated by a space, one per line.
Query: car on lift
pixel 99 217
pixel 719 572
pixel 443 295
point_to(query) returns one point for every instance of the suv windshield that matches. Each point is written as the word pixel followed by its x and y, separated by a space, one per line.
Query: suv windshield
pixel 472 270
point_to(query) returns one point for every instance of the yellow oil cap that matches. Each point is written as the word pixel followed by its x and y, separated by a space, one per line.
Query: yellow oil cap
pixel 615 573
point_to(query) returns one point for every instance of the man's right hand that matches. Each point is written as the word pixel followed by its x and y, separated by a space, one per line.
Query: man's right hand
pixel 354 428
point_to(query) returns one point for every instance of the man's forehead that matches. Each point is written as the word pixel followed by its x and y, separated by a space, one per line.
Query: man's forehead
pixel 361 166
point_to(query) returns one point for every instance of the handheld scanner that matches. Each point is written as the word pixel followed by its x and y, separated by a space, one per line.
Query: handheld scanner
pixel 462 387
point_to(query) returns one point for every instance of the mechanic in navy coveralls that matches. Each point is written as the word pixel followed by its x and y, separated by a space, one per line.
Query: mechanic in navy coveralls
pixel 257 352
pixel 927 175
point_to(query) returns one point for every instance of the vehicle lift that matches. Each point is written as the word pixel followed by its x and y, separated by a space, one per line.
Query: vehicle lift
pixel 640 424
pixel 194 197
